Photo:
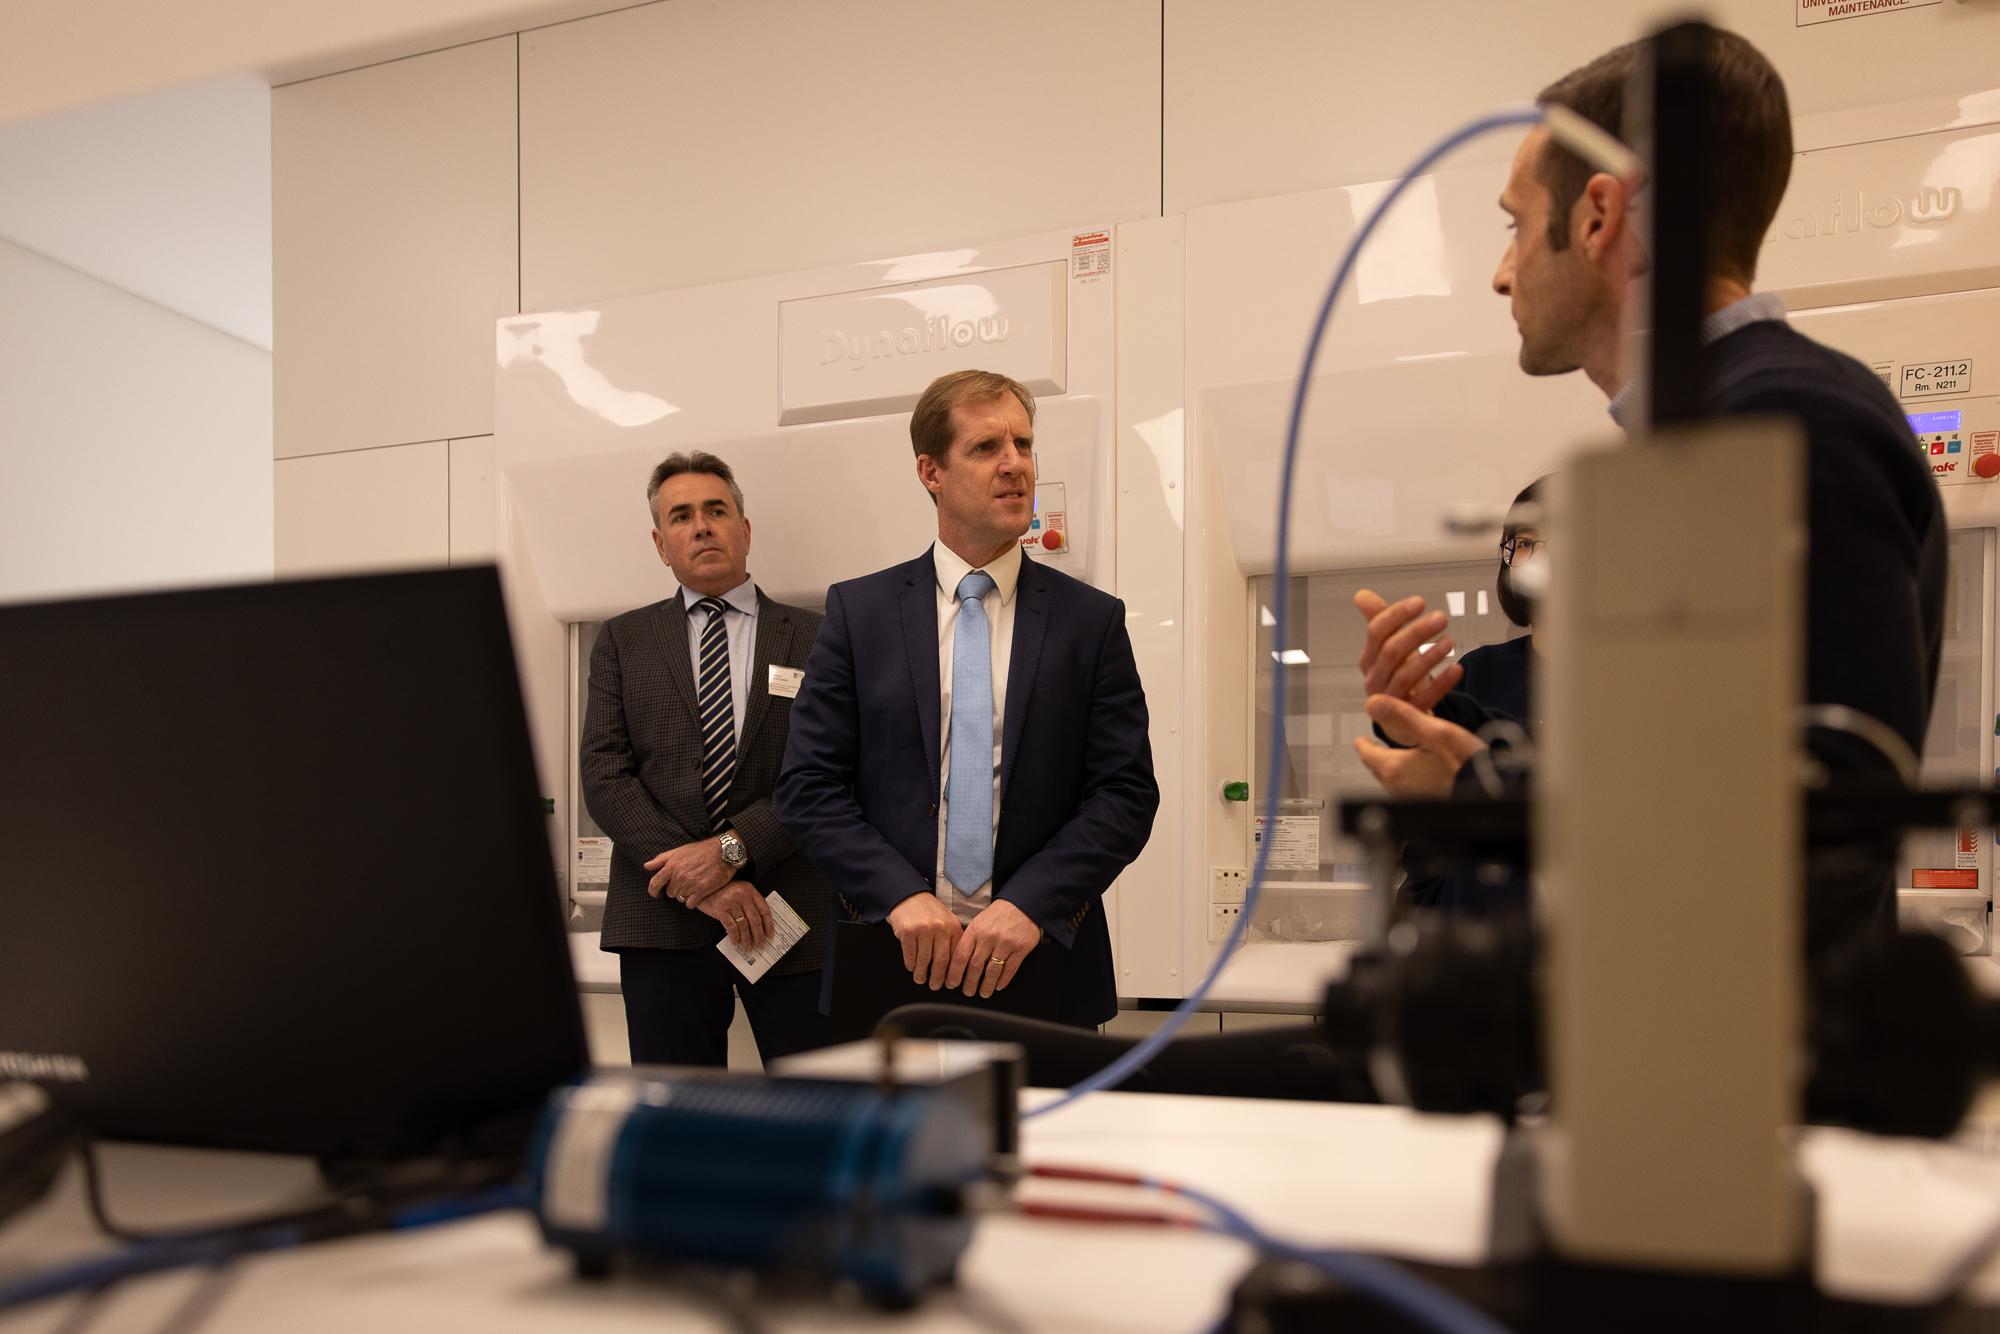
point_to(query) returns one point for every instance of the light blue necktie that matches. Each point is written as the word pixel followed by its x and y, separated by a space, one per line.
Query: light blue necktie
pixel 968 830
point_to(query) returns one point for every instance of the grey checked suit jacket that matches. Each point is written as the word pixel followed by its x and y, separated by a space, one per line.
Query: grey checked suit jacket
pixel 641 763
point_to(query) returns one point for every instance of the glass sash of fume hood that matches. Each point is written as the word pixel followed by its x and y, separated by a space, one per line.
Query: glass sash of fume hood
pixel 1315 881
pixel 1315 887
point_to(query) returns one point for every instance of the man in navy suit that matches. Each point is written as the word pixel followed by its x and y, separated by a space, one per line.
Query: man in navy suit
pixel 968 756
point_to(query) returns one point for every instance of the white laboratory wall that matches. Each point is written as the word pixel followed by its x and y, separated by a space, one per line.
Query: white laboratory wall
pixel 669 145
pixel 367 509
pixel 395 249
pixel 675 145
pixel 1271 97
pixel 166 196
pixel 135 444
pixel 79 52
pixel 473 519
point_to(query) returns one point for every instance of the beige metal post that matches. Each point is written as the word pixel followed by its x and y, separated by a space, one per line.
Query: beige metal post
pixel 1667 828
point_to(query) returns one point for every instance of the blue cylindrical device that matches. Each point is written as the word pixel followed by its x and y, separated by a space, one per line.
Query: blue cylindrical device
pixel 797 1177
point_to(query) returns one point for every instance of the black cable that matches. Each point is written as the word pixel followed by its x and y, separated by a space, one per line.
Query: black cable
pixel 84 1313
pixel 394 1208
pixel 347 1209
pixel 100 1214
pixel 730 1302
pixel 199 1305
pixel 983 1311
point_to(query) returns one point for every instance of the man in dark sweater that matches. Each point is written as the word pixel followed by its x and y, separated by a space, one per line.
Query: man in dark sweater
pixel 1876 565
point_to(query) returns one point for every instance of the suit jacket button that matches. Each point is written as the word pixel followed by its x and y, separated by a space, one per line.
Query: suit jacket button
pixel 934 808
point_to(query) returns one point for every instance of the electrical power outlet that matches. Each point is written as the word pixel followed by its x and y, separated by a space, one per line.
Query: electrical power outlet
pixel 1222 918
pixel 1230 884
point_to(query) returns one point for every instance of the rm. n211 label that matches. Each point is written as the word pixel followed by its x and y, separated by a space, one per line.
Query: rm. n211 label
pixel 1925 379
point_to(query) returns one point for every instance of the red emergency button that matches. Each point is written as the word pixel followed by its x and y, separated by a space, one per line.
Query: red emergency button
pixel 1053 539
pixel 1987 465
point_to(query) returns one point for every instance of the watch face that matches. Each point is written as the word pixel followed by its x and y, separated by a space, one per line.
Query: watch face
pixel 733 850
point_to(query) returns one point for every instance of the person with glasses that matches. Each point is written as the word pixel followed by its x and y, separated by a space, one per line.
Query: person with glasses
pixel 1492 684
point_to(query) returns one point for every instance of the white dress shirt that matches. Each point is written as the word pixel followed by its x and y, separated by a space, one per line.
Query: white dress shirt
pixel 999 605
pixel 742 627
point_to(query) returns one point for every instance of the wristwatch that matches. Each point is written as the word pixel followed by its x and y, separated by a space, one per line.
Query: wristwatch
pixel 734 851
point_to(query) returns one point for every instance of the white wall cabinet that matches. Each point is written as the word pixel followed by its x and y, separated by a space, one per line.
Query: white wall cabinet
pixel 472 501
pixel 370 509
pixel 395 248
pixel 673 145
pixel 1273 97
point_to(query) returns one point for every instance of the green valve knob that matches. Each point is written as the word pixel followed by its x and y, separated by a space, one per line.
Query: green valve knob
pixel 1237 791
pixel 548 805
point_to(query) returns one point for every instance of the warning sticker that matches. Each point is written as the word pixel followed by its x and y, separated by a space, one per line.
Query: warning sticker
pixel 1968 849
pixel 1985 442
pixel 1826 11
pixel 1294 842
pixel 1090 256
pixel 1938 878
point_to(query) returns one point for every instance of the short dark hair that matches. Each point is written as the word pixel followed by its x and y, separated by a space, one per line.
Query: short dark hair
pixel 673 465
pixel 1748 164
pixel 930 420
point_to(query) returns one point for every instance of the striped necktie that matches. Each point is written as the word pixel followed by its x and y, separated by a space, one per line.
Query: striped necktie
pixel 715 708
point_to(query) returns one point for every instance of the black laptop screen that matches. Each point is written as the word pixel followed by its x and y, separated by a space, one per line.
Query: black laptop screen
pixel 274 865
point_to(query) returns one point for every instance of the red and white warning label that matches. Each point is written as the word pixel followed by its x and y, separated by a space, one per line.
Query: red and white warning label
pixel 1968 849
pixel 1826 11
pixel 1090 255
pixel 1940 878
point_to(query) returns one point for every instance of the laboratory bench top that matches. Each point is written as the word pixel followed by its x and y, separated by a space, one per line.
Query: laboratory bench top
pixel 1894 1216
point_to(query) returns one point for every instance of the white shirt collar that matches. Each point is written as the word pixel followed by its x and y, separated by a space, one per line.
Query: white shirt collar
pixel 951 569
pixel 1753 309
pixel 743 597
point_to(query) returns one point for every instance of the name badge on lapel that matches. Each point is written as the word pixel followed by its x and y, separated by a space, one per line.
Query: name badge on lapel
pixel 785 681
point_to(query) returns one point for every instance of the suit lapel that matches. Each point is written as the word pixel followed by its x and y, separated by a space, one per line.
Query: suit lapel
pixel 1031 627
pixel 671 625
pixel 920 643
pixel 774 634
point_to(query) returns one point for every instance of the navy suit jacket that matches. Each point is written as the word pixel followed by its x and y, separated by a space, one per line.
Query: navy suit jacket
pixel 859 790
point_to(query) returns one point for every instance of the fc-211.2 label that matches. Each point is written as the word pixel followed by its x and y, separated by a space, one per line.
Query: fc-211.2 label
pixel 1935 379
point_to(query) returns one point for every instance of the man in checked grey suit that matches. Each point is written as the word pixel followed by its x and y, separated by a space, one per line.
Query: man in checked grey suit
pixel 690 706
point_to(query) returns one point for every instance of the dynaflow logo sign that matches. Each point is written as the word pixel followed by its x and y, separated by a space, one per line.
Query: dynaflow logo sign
pixel 1849 213
pixel 939 333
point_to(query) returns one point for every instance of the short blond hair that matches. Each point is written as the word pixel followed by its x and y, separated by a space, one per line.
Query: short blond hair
pixel 930 420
